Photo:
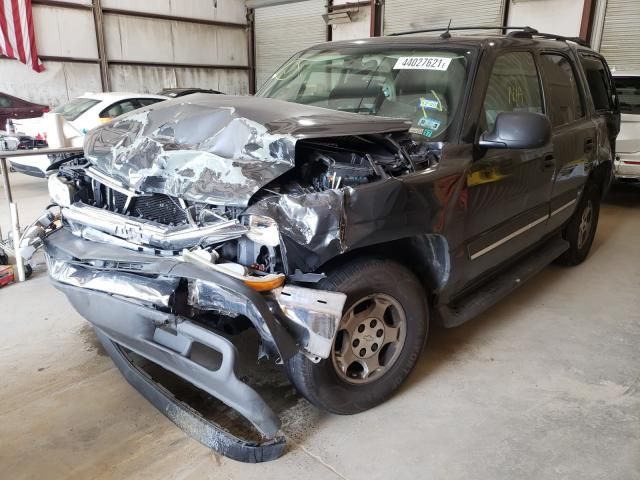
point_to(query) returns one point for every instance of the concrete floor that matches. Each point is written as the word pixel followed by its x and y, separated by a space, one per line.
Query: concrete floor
pixel 543 386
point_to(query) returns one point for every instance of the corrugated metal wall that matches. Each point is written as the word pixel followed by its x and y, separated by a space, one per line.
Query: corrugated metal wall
pixel 283 30
pixel 404 15
pixel 620 41
pixel 184 51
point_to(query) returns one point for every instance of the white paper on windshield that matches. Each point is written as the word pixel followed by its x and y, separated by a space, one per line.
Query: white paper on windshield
pixel 422 63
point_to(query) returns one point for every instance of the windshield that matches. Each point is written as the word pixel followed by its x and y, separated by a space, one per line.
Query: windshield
pixel 76 107
pixel 425 86
pixel 628 90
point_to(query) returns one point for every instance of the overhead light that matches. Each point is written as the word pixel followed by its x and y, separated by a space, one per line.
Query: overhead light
pixel 334 18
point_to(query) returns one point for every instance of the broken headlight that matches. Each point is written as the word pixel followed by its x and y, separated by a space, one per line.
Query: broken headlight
pixel 61 191
pixel 262 230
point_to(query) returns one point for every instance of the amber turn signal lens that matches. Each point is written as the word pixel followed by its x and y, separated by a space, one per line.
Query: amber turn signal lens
pixel 266 283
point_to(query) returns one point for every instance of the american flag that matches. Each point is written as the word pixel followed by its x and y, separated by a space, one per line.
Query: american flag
pixel 17 38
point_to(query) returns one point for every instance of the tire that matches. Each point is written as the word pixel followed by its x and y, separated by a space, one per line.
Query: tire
pixel 579 236
pixel 373 285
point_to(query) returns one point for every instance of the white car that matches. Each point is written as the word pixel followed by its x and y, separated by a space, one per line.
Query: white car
pixel 80 115
pixel 627 163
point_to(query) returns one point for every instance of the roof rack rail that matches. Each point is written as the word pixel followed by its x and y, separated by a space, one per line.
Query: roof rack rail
pixel 549 36
pixel 528 30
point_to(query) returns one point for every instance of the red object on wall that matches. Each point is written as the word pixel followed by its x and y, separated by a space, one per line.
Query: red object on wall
pixel 17 35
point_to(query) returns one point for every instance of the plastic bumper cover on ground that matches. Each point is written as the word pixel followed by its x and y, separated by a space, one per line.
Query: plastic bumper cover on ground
pixel 118 323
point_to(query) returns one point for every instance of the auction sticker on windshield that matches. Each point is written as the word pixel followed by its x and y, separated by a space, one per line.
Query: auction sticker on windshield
pixel 422 63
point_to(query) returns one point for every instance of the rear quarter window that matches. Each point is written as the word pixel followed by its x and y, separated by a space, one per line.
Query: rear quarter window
pixel 598 81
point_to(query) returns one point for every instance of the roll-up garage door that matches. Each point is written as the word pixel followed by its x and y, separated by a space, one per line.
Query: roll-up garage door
pixel 404 15
pixel 283 30
pixel 620 42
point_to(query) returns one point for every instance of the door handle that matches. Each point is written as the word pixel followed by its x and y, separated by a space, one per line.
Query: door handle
pixel 549 161
pixel 588 145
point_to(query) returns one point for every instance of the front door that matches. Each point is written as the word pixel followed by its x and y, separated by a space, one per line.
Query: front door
pixel 508 190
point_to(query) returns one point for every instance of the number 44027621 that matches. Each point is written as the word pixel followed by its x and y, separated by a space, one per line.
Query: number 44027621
pixel 422 63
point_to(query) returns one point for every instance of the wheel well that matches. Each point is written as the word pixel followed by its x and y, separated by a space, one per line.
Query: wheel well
pixel 427 256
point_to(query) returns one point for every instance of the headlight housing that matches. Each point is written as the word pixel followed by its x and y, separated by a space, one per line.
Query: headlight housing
pixel 61 191
pixel 263 230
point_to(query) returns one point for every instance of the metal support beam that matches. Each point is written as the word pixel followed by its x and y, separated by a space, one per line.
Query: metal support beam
pixel 586 25
pixel 329 27
pixel 178 65
pixel 50 3
pixel 346 6
pixel 251 46
pixel 269 3
pixel 376 18
pixel 102 51
pixel 174 18
pixel 50 58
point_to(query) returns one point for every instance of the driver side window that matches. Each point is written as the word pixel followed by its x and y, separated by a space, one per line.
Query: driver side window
pixel 514 86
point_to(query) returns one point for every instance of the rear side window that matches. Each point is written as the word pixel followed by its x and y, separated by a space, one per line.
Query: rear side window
pixel 4 101
pixel 145 102
pixel 598 80
pixel 628 90
pixel 119 108
pixel 76 107
pixel 513 87
pixel 565 101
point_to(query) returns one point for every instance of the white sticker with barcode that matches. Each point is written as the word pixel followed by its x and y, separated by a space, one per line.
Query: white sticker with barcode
pixel 422 63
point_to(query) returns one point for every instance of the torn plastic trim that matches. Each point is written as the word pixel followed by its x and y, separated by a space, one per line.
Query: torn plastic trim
pixel 314 316
pixel 145 232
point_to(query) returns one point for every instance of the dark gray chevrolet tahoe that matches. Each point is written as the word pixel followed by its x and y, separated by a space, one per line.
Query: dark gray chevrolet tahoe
pixel 370 189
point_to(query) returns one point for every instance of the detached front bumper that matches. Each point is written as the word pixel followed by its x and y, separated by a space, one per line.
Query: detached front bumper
pixel 130 299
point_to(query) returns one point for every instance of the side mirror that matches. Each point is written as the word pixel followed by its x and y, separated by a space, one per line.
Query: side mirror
pixel 519 130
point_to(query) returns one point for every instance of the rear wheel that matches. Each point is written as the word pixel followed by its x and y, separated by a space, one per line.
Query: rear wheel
pixel 379 339
pixel 581 229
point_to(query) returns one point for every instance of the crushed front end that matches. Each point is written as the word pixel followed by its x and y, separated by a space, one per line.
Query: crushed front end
pixel 184 224
pixel 168 292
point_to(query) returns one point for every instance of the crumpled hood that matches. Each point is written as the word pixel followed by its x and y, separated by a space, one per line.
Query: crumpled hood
pixel 213 148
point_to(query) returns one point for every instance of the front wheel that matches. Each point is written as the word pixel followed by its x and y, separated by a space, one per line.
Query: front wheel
pixel 380 337
pixel 581 229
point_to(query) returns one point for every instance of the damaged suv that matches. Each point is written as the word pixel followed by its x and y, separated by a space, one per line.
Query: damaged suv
pixel 371 188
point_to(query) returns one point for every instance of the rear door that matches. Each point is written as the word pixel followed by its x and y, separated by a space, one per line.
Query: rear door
pixel 574 133
pixel 508 189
